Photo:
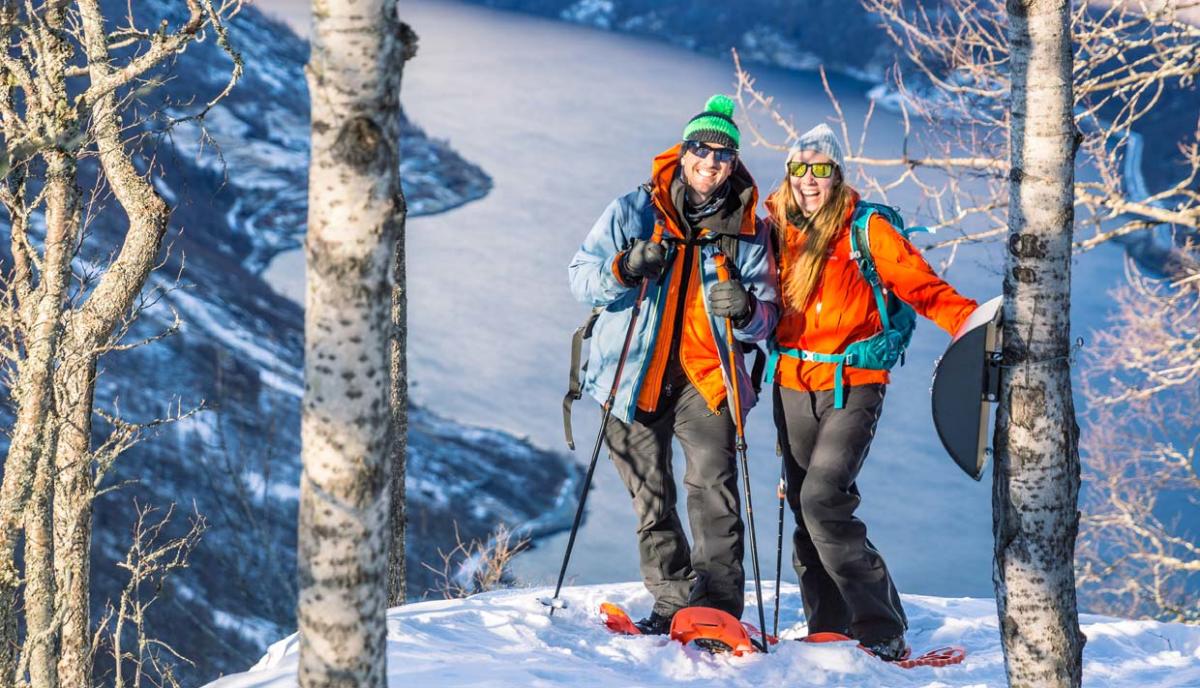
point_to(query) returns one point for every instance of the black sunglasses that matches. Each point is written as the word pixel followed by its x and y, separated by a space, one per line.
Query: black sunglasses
pixel 701 150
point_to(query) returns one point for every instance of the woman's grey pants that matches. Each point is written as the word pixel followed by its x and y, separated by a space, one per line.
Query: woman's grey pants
pixel 843 581
pixel 709 572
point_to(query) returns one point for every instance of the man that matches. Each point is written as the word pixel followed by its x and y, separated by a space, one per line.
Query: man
pixel 675 382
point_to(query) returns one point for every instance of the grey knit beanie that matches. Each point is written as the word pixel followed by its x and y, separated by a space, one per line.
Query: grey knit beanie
pixel 820 139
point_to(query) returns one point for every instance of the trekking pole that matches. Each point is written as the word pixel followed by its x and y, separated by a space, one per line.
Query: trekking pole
pixel 781 490
pixel 555 603
pixel 736 407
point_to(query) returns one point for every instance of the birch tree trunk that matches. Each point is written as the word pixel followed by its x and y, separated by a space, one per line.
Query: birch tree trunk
pixel 353 213
pixel 1036 486
pixel 397 587
pixel 398 429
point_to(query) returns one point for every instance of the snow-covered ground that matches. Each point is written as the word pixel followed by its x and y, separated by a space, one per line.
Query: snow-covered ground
pixel 506 639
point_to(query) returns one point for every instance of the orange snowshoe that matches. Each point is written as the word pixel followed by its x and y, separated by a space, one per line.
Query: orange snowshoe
pixel 942 656
pixel 617 620
pixel 712 630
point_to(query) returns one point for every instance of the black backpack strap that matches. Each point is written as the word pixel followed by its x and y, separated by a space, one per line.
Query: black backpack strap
pixel 575 381
pixel 728 243
pixel 758 367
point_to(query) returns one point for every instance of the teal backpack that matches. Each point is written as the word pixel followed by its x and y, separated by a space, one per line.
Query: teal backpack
pixel 883 350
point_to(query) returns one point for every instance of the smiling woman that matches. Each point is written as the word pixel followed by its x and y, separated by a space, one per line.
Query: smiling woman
pixel 830 359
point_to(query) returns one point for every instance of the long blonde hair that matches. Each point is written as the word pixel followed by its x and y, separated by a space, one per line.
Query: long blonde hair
pixel 802 265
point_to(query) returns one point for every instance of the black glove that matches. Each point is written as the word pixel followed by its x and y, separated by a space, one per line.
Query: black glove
pixel 643 259
pixel 729 299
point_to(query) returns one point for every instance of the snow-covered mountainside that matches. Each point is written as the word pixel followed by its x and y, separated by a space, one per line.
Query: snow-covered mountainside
pixel 237 185
pixel 842 35
pixel 506 639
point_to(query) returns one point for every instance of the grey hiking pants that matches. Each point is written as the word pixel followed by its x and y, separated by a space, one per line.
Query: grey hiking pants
pixel 709 572
pixel 844 583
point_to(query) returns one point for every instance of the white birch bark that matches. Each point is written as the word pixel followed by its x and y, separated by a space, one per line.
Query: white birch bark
pixel 353 208
pixel 1036 485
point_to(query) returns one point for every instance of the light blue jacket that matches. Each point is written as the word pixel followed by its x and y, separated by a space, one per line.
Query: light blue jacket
pixel 631 217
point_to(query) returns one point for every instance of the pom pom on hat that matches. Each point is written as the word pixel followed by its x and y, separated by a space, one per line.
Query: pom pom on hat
pixel 721 104
pixel 715 124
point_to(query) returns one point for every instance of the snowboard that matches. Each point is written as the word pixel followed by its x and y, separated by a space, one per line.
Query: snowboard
pixel 966 383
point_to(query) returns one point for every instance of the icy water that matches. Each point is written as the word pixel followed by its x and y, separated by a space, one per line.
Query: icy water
pixel 565 118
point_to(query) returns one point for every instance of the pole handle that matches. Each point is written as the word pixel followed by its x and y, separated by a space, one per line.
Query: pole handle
pixel 722 264
pixel 658 233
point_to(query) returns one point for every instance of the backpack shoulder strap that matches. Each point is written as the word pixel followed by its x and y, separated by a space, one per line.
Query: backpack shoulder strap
pixel 860 251
pixel 860 242
pixel 574 381
pixel 728 243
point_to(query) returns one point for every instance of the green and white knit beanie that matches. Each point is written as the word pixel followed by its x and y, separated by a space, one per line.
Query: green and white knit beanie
pixel 715 124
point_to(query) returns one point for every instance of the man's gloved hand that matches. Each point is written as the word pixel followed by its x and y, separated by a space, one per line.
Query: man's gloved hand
pixel 729 299
pixel 643 259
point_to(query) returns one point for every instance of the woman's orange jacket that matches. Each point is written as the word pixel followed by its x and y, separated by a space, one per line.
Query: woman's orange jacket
pixel 842 310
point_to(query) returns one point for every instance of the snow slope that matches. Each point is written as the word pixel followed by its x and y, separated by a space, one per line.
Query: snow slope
pixel 506 639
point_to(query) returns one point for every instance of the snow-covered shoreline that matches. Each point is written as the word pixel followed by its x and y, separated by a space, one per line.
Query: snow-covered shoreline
pixel 506 639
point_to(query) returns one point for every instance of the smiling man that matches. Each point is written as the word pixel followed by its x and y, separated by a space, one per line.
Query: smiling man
pixel 675 383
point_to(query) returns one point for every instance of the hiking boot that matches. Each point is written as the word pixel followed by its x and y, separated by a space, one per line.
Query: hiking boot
pixel 655 624
pixel 888 649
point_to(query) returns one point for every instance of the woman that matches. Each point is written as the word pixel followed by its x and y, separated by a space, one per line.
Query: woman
pixel 826 413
